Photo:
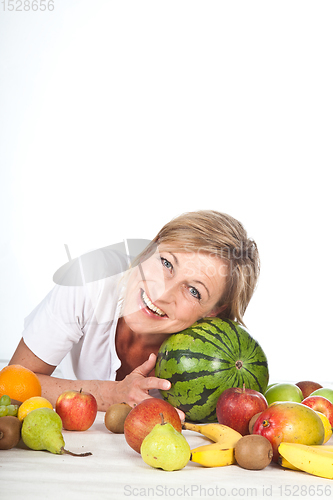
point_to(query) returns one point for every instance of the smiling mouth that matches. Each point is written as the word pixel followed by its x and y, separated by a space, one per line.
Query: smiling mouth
pixel 148 303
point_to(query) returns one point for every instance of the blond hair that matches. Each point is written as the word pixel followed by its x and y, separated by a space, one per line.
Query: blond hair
pixel 219 234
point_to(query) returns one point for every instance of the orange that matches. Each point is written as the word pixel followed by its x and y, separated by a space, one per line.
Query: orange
pixel 31 404
pixel 19 383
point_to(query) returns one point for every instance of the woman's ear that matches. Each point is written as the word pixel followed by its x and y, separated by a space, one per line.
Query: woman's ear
pixel 216 311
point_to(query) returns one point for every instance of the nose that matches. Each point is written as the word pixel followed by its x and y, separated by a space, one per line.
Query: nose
pixel 167 292
pixel 156 289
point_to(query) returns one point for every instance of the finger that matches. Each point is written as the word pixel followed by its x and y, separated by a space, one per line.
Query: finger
pixel 155 383
pixel 147 366
pixel 181 414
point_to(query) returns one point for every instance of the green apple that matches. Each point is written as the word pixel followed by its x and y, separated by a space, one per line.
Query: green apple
pixel 325 392
pixel 270 385
pixel 284 392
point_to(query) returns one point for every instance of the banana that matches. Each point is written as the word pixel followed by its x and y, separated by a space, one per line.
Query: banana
pixel 209 447
pixel 218 453
pixel 313 460
pixel 284 463
pixel 219 433
pixel 213 456
pixel 324 447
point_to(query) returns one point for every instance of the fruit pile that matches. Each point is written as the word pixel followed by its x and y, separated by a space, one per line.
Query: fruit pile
pixel 287 425
pixel 153 429
pixel 290 431
pixel 33 418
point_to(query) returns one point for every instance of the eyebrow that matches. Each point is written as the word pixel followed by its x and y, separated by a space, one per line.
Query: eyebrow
pixel 203 284
pixel 175 258
pixel 194 281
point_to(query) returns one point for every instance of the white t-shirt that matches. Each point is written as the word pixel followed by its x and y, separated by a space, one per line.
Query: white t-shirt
pixel 75 327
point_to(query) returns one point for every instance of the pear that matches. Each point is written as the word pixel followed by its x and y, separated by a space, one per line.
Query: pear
pixel 42 430
pixel 165 448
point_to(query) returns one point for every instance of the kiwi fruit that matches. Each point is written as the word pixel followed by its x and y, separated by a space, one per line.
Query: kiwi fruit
pixel 10 432
pixel 253 452
pixel 253 421
pixel 115 417
pixel 15 402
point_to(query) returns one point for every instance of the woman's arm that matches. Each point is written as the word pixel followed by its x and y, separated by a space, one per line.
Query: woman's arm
pixel 132 389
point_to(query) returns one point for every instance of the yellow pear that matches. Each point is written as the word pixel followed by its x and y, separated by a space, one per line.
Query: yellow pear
pixel 165 448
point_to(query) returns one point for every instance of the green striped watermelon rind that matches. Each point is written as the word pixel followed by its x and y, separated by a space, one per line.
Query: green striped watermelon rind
pixel 200 363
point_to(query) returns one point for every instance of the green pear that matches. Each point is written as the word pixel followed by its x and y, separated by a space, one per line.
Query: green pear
pixel 42 430
pixel 165 448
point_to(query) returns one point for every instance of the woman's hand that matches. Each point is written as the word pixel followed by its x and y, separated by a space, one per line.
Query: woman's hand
pixel 135 386
pixel 132 390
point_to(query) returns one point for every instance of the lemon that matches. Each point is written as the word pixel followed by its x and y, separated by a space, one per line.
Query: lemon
pixel 31 404
pixel 327 426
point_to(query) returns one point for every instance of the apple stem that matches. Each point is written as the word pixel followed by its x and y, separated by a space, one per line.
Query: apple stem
pixel 87 454
pixel 162 419
pixel 80 390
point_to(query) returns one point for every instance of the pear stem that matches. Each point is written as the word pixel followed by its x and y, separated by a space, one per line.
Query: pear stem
pixel 75 454
pixel 162 419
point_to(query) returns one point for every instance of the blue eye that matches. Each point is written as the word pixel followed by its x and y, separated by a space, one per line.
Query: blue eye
pixel 194 292
pixel 166 263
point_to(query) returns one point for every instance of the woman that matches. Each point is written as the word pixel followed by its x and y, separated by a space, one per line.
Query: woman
pixel 106 334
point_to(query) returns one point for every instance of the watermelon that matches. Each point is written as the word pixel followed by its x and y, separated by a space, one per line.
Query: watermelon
pixel 204 360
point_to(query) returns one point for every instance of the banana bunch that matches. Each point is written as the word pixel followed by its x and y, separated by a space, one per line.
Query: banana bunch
pixel 316 460
pixel 218 453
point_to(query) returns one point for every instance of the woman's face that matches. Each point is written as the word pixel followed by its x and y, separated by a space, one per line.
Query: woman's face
pixel 172 290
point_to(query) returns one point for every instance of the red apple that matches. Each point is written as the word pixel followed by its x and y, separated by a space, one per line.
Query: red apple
pixel 289 422
pixel 235 407
pixel 307 387
pixel 325 392
pixel 319 403
pixel 143 418
pixel 77 409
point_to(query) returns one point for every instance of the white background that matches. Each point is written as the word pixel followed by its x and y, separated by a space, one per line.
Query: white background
pixel 116 116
